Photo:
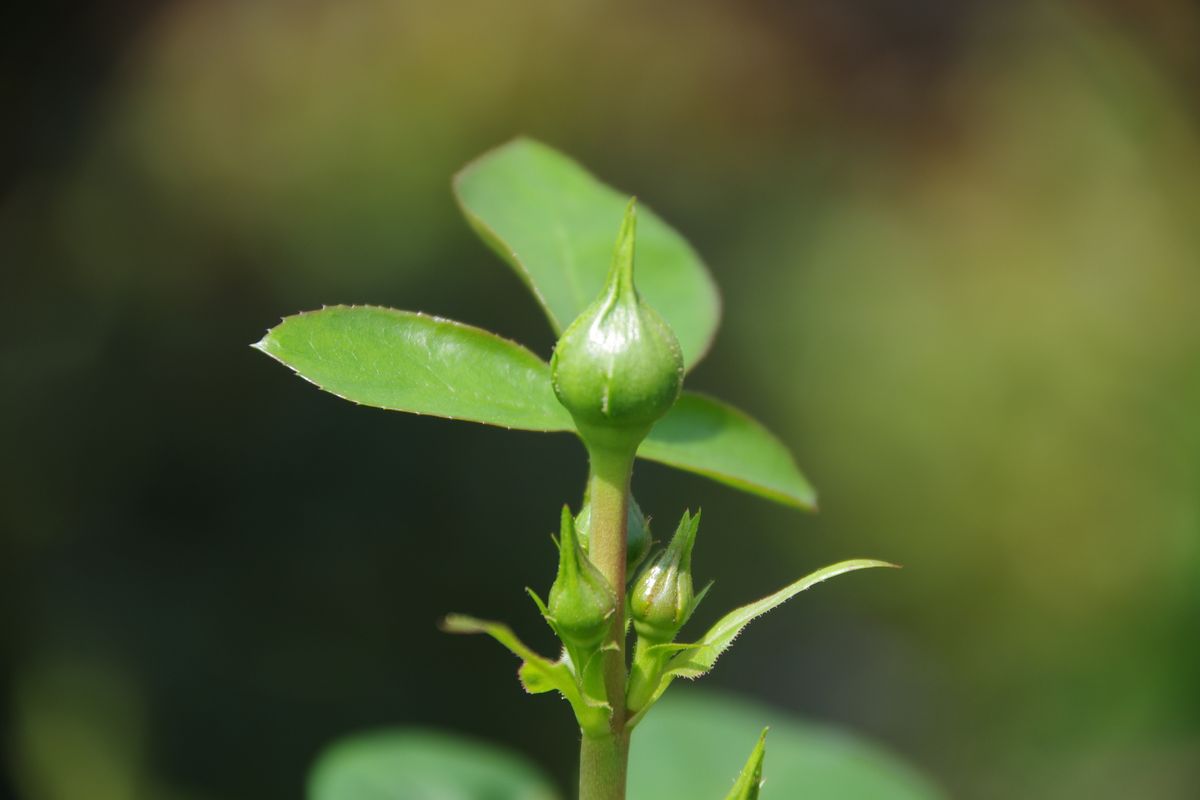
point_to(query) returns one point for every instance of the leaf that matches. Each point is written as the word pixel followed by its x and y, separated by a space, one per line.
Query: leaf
pixel 692 742
pixel 405 361
pixel 696 659
pixel 750 780
pixel 704 435
pixel 556 225
pixel 538 674
pixel 416 764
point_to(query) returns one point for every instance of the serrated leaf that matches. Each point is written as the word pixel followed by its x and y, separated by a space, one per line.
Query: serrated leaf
pixel 556 224
pixel 694 740
pixel 538 674
pixel 535 680
pixel 695 659
pixel 406 361
pixel 421 764
pixel 704 435
pixel 750 780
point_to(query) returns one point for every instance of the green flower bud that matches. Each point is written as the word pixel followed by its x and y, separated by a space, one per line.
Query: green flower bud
pixel 662 599
pixel 618 365
pixel 637 538
pixel 581 602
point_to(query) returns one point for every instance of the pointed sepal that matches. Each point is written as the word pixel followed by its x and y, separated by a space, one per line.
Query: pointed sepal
pixel 697 659
pixel 537 673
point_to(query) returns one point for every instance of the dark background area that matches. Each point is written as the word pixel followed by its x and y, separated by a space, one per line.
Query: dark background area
pixel 958 247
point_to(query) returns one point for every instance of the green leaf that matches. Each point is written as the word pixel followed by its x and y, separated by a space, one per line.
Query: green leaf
pixel 750 780
pixel 692 743
pixel 405 361
pixel 415 764
pixel 704 435
pixel 538 674
pixel 556 224
pixel 696 659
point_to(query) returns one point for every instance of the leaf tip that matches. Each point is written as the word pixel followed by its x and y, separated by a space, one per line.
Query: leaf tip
pixel 458 623
pixel 803 498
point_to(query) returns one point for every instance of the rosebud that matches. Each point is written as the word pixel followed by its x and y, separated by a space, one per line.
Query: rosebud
pixel 581 602
pixel 637 537
pixel 618 365
pixel 662 598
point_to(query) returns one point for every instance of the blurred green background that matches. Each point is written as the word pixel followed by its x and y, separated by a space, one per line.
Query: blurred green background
pixel 958 243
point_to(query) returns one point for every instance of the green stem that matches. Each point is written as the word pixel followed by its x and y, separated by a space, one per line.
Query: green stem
pixel 602 760
pixel 644 677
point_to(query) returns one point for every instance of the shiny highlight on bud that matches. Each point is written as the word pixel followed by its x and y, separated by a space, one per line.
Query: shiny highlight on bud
pixel 663 597
pixel 618 365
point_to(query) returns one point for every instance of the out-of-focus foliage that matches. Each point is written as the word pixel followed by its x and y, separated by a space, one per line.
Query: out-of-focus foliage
pixel 688 747
pixel 958 249
pixel 687 751
pixel 418 763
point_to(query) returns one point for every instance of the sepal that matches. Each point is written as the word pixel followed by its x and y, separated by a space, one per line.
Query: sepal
pixel 697 661
pixel 539 674
pixel 694 660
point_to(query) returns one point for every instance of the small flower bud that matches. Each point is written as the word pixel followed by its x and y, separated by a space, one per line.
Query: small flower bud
pixel 618 365
pixel 581 603
pixel 637 537
pixel 662 598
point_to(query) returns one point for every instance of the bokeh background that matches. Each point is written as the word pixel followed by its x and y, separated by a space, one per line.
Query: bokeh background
pixel 958 243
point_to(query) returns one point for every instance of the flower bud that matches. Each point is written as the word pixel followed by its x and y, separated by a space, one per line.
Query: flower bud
pixel 662 598
pixel 637 537
pixel 581 603
pixel 618 365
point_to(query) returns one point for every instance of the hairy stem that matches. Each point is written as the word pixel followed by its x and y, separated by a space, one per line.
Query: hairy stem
pixel 602 763
pixel 602 760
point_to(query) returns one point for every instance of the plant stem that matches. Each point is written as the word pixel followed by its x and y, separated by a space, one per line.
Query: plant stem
pixel 602 760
